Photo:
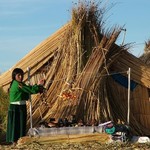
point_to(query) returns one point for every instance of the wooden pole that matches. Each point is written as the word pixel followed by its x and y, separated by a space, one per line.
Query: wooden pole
pixel 128 114
pixel 31 124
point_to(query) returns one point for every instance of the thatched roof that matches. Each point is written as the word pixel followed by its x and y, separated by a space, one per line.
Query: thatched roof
pixel 75 61
pixel 145 57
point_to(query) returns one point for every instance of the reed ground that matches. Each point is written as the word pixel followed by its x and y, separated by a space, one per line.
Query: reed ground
pixel 98 142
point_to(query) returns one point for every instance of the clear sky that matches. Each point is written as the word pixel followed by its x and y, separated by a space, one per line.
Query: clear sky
pixel 26 23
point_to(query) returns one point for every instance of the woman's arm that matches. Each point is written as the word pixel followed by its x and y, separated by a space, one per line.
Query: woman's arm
pixel 34 89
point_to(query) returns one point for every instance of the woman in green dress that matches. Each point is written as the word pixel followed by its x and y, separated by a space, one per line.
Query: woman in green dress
pixel 19 93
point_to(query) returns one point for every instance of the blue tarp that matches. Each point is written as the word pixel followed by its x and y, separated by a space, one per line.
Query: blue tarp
pixel 124 81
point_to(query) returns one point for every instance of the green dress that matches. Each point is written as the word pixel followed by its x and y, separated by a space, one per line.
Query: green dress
pixel 17 112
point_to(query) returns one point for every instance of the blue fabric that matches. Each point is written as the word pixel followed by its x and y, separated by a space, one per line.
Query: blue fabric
pixel 110 130
pixel 124 81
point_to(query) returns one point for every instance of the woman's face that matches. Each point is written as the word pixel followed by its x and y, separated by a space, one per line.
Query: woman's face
pixel 19 77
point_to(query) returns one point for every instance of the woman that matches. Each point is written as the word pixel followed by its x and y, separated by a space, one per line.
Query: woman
pixel 19 93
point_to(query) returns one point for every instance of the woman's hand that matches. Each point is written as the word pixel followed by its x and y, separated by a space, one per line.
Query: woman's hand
pixel 41 82
pixel 41 85
pixel 41 89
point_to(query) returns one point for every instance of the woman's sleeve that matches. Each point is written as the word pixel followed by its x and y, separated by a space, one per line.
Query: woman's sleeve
pixel 30 89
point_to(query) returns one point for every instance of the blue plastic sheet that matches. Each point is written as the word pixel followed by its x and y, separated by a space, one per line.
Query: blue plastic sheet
pixel 124 81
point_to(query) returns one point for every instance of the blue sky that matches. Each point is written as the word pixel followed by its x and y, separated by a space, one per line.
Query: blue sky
pixel 26 23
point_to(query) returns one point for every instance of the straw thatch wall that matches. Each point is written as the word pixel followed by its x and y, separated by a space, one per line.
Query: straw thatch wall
pixel 77 62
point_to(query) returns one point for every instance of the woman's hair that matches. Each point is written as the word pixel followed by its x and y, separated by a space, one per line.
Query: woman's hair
pixel 15 72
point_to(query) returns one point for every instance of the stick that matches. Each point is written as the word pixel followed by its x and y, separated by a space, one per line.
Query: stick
pixel 128 114
pixel 31 125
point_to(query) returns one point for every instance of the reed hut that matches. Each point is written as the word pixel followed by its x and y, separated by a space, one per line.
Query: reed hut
pixel 86 74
